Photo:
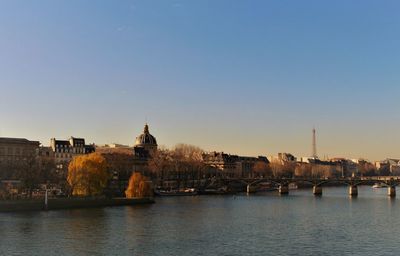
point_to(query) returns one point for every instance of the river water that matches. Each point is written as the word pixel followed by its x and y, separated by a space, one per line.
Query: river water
pixel 261 224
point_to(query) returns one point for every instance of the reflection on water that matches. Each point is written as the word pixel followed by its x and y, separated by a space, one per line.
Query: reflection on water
pixel 261 224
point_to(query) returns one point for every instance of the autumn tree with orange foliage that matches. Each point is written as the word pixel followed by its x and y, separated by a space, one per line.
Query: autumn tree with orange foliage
pixel 87 175
pixel 139 186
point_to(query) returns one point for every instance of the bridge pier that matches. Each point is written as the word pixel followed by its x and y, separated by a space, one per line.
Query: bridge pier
pixel 251 189
pixel 283 189
pixel 317 190
pixel 392 191
pixel 353 190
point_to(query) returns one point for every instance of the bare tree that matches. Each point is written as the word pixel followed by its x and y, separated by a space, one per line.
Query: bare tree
pixel 160 165
pixel 366 169
pixel 188 163
pixel 183 163
pixel 29 174
pixel 261 169
pixel 285 169
pixel 47 171
pixel 325 171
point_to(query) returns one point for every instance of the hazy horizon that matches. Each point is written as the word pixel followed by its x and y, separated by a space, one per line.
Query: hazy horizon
pixel 233 76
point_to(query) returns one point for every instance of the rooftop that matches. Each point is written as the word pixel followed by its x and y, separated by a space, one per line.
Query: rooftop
pixel 17 141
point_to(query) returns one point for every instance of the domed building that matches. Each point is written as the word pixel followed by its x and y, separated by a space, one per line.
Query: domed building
pixel 145 144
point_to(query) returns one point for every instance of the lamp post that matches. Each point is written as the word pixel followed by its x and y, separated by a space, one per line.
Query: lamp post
pixel 46 199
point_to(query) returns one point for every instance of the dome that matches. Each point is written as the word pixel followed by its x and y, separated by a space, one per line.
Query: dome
pixel 146 139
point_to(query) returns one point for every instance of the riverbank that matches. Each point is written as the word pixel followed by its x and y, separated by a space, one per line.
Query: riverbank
pixel 69 203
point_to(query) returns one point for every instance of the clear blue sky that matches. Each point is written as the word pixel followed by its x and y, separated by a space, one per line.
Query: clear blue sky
pixel 245 77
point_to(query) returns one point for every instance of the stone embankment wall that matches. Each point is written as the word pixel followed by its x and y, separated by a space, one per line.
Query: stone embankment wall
pixel 69 203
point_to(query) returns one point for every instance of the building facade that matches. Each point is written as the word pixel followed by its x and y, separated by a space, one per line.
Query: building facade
pixel 65 150
pixel 16 153
pixel 124 160
pixel 283 158
pixel 389 166
pixel 232 165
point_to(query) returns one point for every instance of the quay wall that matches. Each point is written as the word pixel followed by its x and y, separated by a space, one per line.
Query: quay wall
pixel 69 203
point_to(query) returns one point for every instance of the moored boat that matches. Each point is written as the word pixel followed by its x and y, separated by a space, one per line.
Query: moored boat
pixel 379 185
pixel 293 186
pixel 213 191
pixel 176 192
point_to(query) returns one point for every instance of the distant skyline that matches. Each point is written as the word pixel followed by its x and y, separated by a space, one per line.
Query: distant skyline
pixel 243 77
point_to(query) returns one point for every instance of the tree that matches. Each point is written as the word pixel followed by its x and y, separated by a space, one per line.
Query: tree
pixel 188 152
pixel 384 170
pixel 139 186
pixel 366 169
pixel 188 163
pixel 159 165
pixel 325 171
pixel 285 169
pixel 87 175
pixel 29 174
pixel 303 170
pixel 48 171
pixel 184 163
pixel 262 169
